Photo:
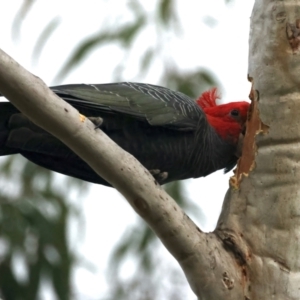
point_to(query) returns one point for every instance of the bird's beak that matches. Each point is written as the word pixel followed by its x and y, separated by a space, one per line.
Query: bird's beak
pixel 244 129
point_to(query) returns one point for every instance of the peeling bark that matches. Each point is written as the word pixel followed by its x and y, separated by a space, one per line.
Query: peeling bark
pixel 255 127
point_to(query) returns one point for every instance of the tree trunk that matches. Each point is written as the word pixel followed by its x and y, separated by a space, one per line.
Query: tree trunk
pixel 260 219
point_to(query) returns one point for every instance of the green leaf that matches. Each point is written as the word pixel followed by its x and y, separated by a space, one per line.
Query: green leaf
pixel 125 36
pixel 20 17
pixel 165 9
pixel 44 37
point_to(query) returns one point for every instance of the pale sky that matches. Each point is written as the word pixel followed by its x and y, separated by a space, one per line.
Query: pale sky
pixel 222 49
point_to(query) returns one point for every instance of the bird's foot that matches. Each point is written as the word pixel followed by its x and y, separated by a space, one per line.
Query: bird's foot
pixel 158 175
pixel 97 121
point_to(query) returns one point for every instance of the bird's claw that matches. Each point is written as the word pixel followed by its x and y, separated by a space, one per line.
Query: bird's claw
pixel 97 121
pixel 158 175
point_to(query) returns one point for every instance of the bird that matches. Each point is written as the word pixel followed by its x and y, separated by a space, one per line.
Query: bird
pixel 174 136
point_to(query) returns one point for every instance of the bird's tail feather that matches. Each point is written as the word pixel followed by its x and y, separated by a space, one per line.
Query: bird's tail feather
pixel 6 111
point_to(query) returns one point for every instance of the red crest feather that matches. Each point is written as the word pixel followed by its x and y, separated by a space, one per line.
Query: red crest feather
pixel 208 98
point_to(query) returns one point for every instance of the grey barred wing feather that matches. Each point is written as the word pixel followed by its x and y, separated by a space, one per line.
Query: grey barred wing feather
pixel 157 105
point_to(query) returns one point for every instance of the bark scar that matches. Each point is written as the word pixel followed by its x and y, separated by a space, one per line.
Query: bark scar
pixel 82 118
pixel 293 35
pixel 254 127
pixel 232 244
pixel 228 283
pixel 235 244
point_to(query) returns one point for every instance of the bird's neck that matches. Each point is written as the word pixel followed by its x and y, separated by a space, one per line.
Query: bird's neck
pixel 227 130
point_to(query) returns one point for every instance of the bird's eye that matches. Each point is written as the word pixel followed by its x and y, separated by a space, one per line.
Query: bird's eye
pixel 234 113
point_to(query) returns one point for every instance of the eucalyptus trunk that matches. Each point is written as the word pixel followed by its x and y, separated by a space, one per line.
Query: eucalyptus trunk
pixel 260 218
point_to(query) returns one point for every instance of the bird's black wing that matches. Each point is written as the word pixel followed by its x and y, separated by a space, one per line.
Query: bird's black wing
pixel 165 130
pixel 157 105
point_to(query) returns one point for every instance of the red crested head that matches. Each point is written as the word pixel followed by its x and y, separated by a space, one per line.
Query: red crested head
pixel 227 119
